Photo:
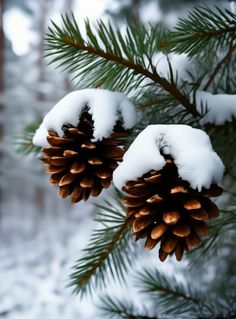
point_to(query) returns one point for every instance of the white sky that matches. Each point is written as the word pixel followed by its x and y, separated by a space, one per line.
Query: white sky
pixel 17 23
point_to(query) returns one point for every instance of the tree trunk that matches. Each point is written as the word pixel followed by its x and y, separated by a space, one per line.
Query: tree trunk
pixel 67 8
pixel 40 95
pixel 40 62
pixel 1 86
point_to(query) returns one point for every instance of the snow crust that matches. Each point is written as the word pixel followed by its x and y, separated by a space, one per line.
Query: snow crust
pixel 220 107
pixel 190 148
pixel 106 108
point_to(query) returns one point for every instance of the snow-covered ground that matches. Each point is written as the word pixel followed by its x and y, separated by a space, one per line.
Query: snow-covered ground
pixel 36 256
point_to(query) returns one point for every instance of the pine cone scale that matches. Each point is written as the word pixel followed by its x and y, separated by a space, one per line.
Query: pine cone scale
pixel 169 244
pixel 78 163
pixel 171 217
pixel 158 231
pixel 58 141
pixel 52 151
pixel 77 167
pixel 182 230
pixel 198 214
pixel 163 207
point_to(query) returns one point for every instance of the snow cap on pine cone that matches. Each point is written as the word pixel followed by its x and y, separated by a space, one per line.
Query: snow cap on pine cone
pixel 106 108
pixel 82 139
pixel 190 149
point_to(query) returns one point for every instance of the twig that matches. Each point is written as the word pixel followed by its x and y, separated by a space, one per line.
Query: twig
pixel 104 255
pixel 220 316
pixel 213 33
pixel 178 294
pixel 218 66
pixel 139 317
pixel 154 76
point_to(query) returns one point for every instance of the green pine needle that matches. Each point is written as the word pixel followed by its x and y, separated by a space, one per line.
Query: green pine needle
pixel 170 295
pixel 109 251
pixel 23 140
pixel 205 29
pixel 114 308
pixel 104 57
pixel 107 58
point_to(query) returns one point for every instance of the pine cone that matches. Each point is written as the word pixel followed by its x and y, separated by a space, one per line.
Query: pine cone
pixel 79 166
pixel 164 208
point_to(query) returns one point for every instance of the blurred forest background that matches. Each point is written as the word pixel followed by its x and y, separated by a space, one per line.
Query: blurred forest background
pixel 41 235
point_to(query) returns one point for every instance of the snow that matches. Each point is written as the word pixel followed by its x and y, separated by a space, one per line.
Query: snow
pixel 179 63
pixel 190 148
pixel 220 107
pixel 106 108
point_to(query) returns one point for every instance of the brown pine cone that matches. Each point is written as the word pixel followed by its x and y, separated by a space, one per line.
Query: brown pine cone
pixel 164 208
pixel 79 166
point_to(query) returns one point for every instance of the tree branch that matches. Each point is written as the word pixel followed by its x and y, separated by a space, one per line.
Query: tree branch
pixel 218 66
pixel 104 255
pixel 128 316
pixel 213 33
pixel 138 69
pixel 178 294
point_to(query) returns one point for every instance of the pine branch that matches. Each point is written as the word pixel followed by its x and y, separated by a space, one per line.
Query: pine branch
pixel 203 30
pixel 218 237
pixel 23 140
pixel 171 296
pixel 225 59
pixel 108 59
pixel 116 309
pixel 230 315
pixel 108 253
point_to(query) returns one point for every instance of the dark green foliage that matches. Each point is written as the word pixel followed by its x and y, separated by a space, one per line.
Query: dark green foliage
pixel 169 295
pixel 117 309
pixel 192 298
pixel 23 140
pixel 105 58
pixel 109 252
pixel 204 29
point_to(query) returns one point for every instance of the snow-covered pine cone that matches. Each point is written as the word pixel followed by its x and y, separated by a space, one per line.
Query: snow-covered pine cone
pixel 79 166
pixel 164 208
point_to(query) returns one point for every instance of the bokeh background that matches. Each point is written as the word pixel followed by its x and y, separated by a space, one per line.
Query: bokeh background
pixel 41 235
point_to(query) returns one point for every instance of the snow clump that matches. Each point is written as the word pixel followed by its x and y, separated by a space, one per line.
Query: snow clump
pixel 190 148
pixel 220 108
pixel 106 108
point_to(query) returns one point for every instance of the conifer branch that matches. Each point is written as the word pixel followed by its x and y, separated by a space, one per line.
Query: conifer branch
pixel 204 29
pixel 154 281
pixel 123 61
pixel 114 308
pixel 225 59
pixel 23 140
pixel 169 295
pixel 109 250
pixel 138 69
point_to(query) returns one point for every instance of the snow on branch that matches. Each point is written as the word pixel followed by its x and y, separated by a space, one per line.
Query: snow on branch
pixel 190 148
pixel 106 108
pixel 220 108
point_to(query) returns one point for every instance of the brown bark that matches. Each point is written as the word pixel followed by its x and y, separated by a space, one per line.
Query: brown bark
pixel 41 29
pixel 39 191
pixel 1 46
pixel 1 82
pixel 68 8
